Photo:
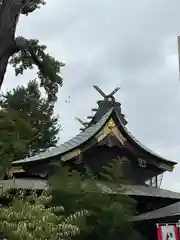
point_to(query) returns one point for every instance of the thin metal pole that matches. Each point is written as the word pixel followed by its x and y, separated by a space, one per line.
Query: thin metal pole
pixel 179 55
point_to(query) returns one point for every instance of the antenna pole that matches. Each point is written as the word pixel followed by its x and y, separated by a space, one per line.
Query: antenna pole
pixel 179 56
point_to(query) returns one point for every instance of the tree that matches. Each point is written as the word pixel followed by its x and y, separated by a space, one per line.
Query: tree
pixel 31 217
pixel 27 123
pixel 26 53
pixel 79 210
pixel 109 210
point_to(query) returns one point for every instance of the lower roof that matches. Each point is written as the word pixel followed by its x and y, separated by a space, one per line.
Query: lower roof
pixel 133 190
pixel 111 188
pixel 140 190
pixel 169 211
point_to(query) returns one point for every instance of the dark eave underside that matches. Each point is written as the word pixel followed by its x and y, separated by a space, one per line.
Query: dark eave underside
pixel 169 211
pixel 86 135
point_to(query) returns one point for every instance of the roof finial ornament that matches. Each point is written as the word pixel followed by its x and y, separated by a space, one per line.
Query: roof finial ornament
pixel 81 121
pixel 110 97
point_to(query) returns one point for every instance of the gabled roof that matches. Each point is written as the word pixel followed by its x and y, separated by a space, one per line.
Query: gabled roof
pixel 169 211
pixel 86 135
pixel 71 144
pixel 107 108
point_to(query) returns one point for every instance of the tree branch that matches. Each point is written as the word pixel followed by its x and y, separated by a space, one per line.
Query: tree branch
pixel 31 5
pixel 30 52
pixel 10 11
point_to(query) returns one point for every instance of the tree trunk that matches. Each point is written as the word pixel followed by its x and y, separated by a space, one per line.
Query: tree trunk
pixel 9 14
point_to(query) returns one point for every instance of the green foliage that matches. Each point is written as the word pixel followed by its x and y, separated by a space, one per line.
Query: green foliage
pixel 27 124
pixel 109 211
pixel 48 68
pixel 114 171
pixel 88 212
pixel 31 217
pixel 10 143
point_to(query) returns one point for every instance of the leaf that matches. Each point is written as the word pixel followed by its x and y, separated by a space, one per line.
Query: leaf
pixel 33 54
pixel 27 123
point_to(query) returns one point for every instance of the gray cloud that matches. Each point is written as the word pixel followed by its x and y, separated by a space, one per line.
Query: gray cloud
pixel 131 44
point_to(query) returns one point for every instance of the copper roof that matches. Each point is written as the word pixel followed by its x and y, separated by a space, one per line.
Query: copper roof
pixel 86 135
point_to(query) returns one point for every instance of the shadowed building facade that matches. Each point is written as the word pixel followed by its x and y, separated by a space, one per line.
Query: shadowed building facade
pixel 101 139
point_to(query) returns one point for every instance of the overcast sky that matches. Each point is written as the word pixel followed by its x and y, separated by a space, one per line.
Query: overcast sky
pixel 131 44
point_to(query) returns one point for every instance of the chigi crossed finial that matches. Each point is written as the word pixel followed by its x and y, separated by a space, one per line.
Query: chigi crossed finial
pixel 103 107
pixel 110 97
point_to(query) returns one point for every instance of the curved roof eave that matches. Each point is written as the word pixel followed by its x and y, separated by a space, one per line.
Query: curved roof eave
pixel 71 144
pixel 86 135
pixel 131 137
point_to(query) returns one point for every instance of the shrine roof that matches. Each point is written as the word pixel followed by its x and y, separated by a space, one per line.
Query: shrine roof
pixel 107 108
pixel 71 144
pixel 86 135
pixel 168 211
